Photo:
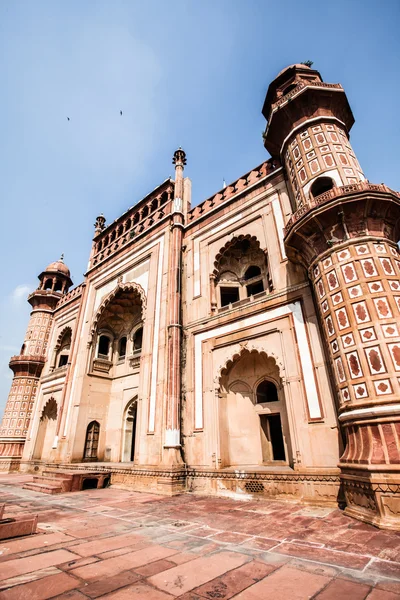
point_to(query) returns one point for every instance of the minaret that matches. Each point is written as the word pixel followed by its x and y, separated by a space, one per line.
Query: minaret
pixel 344 231
pixel 172 437
pixel 27 366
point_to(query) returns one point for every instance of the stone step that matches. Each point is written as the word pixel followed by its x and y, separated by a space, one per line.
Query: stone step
pixel 18 527
pixel 64 483
pixel 45 488
pixel 58 474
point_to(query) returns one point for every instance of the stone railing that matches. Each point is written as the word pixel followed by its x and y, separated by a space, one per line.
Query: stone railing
pixel 336 192
pixel 137 219
pixel 33 358
pixel 300 86
pixel 234 188
pixel 71 295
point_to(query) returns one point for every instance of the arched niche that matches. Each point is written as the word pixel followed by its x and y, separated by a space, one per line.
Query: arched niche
pixel 129 427
pixel 253 423
pixel 46 430
pixel 240 271
pixel 122 311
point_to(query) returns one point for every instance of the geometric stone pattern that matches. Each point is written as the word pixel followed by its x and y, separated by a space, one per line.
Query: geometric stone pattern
pixel 19 407
pixel 317 149
pixel 356 291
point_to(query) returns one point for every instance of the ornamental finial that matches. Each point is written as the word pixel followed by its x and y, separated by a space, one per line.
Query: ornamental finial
pixel 100 223
pixel 179 159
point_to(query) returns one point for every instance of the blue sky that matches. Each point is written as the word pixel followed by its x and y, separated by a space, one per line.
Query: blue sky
pixel 183 73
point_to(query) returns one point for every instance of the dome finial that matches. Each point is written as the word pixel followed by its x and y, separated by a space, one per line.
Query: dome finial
pixel 62 257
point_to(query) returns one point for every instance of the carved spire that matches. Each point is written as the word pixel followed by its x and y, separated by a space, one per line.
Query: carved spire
pixel 100 223
pixel 179 159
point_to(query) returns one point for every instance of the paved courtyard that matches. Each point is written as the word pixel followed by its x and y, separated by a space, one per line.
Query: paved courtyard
pixel 120 544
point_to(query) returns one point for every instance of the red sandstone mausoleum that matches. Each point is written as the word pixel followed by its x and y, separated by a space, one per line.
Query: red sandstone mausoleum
pixel 246 347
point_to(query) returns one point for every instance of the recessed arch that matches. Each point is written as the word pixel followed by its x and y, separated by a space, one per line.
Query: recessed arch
pixel 138 294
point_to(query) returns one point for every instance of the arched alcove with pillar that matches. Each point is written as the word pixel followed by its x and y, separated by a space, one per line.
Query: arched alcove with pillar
pixel 46 431
pixel 129 431
pixel 253 421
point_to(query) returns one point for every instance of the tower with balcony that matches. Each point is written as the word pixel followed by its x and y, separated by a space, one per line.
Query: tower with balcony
pixel 344 231
pixel 27 366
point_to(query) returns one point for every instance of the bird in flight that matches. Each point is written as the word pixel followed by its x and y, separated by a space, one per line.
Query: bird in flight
pixel 68 119
pixel 120 112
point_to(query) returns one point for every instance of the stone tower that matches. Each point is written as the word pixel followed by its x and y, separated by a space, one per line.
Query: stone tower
pixel 344 231
pixel 27 366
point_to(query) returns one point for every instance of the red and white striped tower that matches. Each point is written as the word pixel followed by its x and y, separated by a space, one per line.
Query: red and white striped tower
pixel 172 440
pixel 27 366
pixel 344 231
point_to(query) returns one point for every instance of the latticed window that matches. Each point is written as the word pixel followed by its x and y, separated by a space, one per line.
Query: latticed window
pixel 92 440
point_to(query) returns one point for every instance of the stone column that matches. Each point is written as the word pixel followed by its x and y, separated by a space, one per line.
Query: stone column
pixel 172 437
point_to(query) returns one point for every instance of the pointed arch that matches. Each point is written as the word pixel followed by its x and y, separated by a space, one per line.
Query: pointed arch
pixel 121 287
pixel 251 239
pixel 49 410
pixel 61 336
pixel 246 350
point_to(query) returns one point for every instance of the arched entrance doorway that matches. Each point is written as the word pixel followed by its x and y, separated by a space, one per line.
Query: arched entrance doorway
pixel 92 441
pixel 129 429
pixel 253 419
pixel 47 431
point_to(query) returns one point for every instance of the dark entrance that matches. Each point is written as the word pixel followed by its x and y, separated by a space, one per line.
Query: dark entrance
pixel 271 427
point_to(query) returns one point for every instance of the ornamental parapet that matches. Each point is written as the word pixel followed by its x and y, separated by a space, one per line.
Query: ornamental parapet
pixel 234 189
pixel 27 364
pixel 333 194
pixel 134 221
pixel 71 295
pixel 299 87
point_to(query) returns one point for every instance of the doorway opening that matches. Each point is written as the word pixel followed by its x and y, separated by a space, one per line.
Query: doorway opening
pixel 271 438
pixel 128 454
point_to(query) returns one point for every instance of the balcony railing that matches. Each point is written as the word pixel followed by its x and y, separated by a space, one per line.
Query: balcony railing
pixel 336 192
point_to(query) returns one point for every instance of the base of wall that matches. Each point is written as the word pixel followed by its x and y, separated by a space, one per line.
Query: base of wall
pixel 9 465
pixel 372 497
pixel 319 487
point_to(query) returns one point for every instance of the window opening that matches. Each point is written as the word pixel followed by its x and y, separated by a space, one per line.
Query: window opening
pixel 254 288
pixel 138 340
pixel 321 185
pixel 229 295
pixel 251 272
pixel 63 360
pixel 104 346
pixel 267 392
pixel 122 348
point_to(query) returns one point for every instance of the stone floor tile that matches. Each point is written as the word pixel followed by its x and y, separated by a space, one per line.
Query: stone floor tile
pixel 286 583
pixel 323 555
pixel 233 582
pixel 204 532
pixel 384 568
pixel 106 544
pixel 109 584
pixel 139 591
pixel 73 595
pixel 182 557
pixel 80 562
pixel 49 587
pixel 344 590
pixel 155 567
pixel 231 538
pixel 124 550
pixel 259 543
pixel 188 576
pixel 20 566
pixel 27 577
pixel 43 540
pixel 112 566
pixel 381 595
pixel 389 586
